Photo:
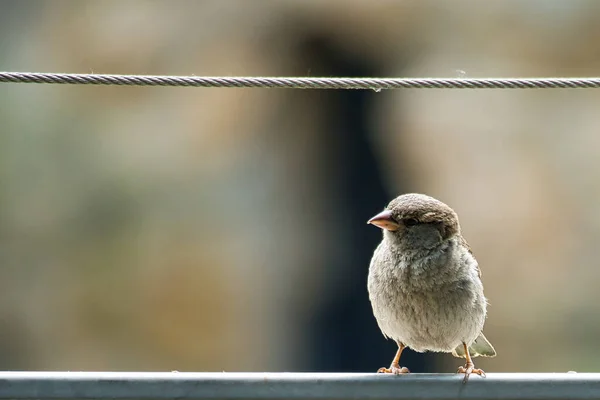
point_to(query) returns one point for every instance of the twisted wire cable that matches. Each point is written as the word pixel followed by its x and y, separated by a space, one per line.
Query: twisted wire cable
pixel 375 84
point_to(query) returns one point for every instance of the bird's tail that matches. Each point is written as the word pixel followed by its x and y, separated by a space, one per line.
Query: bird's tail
pixel 481 347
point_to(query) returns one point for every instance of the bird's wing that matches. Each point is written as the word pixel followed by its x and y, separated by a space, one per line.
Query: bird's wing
pixel 464 243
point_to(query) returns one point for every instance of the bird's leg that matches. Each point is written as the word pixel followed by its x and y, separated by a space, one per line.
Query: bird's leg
pixel 395 368
pixel 469 367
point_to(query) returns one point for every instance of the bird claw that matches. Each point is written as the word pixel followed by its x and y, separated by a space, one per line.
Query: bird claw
pixel 469 369
pixel 393 369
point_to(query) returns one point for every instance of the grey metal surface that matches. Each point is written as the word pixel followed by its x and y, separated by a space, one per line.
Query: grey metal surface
pixel 140 385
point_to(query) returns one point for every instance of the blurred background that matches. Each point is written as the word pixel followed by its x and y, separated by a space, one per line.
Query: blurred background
pixel 160 229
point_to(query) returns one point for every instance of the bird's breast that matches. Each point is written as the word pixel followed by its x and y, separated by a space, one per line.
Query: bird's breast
pixel 427 306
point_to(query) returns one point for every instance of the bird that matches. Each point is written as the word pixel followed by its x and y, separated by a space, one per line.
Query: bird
pixel 425 284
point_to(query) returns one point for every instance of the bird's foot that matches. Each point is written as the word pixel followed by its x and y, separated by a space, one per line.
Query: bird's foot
pixel 393 369
pixel 469 369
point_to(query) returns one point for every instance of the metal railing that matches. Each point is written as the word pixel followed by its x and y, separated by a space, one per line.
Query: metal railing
pixel 295 386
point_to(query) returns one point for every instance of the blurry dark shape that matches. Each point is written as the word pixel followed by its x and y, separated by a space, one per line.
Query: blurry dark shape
pixel 12 9
pixel 344 336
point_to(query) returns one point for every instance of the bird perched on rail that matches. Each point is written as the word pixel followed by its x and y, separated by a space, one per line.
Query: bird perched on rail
pixel 425 284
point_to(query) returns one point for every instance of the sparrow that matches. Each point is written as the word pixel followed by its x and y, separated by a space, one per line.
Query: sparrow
pixel 425 285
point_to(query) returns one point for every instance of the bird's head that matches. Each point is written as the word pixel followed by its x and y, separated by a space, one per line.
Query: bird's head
pixel 416 221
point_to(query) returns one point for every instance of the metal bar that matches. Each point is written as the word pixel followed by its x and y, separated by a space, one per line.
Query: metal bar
pixel 293 386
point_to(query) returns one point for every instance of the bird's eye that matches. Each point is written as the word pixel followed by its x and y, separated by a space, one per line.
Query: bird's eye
pixel 411 222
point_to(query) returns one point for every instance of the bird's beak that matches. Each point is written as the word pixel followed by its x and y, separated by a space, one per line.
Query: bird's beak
pixel 384 220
